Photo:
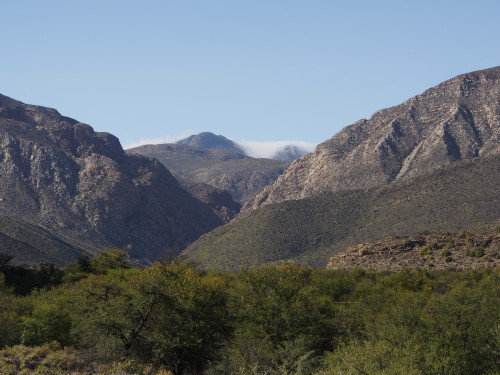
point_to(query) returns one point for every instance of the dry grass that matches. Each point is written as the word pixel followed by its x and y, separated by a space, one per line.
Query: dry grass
pixel 52 359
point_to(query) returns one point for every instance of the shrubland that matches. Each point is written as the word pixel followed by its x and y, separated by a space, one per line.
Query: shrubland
pixel 98 315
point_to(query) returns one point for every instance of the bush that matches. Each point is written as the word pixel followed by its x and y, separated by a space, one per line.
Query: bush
pixel 426 250
pixel 477 252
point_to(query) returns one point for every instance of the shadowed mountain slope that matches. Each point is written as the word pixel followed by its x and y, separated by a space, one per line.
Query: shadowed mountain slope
pixel 59 175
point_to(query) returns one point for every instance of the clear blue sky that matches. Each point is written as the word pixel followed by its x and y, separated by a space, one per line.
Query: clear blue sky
pixel 252 70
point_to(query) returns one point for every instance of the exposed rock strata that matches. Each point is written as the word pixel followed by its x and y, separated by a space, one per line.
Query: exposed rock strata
pixel 59 174
pixel 457 119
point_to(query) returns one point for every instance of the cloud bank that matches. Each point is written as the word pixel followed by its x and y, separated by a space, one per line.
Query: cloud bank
pixel 269 149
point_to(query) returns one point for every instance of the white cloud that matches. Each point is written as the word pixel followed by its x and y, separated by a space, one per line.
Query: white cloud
pixel 268 149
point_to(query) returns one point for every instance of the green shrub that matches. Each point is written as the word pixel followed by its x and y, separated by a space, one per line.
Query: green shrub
pixel 426 250
pixel 448 245
pixel 477 252
pixel 446 254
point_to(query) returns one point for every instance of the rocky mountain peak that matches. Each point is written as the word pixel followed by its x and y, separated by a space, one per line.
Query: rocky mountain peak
pixel 455 120
pixel 210 140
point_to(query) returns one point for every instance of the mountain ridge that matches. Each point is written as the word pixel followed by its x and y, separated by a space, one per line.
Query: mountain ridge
pixel 313 229
pixel 58 174
pixel 211 141
pixel 457 119
pixel 240 175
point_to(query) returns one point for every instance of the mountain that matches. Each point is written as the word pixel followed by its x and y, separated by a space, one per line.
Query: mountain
pixel 65 188
pixel 243 177
pixel 283 150
pixel 457 119
pixel 431 163
pixel 211 141
pixel 457 196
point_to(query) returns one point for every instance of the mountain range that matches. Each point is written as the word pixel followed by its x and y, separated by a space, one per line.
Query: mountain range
pixel 430 163
pixel 65 189
pixel 455 120
pixel 283 150
pixel 216 164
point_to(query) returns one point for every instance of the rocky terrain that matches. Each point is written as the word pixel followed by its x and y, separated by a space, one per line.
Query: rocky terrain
pixel 457 119
pixel 220 201
pixel 429 164
pixel 454 197
pixel 241 176
pixel 60 178
pixel 464 250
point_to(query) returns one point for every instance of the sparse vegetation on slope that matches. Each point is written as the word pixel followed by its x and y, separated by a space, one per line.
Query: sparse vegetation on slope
pixel 311 230
pixel 471 249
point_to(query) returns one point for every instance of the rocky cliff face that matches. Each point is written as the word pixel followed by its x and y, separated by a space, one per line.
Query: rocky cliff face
pixel 60 175
pixel 458 119
pixel 220 201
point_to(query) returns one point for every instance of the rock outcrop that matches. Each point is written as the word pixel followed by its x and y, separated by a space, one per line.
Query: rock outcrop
pixel 60 175
pixel 457 119
pixel 465 250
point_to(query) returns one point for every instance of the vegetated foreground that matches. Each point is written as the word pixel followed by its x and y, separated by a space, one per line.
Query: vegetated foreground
pixel 100 316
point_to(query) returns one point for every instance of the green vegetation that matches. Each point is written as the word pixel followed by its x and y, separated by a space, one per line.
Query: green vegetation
pixel 477 252
pixel 101 316
pixel 311 230
pixel 426 250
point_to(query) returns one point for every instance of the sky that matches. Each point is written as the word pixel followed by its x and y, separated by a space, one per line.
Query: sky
pixel 154 71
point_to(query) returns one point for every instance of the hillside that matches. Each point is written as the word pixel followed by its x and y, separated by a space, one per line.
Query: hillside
pixel 457 119
pixel 243 177
pixel 79 186
pixel 473 249
pixel 311 230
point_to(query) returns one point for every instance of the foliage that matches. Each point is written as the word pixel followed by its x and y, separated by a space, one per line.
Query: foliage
pixel 278 320
pixel 24 280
